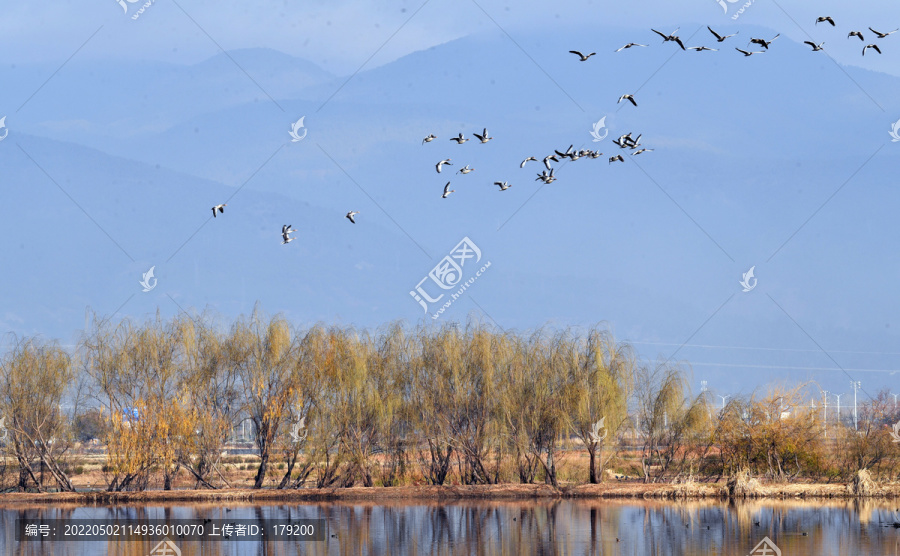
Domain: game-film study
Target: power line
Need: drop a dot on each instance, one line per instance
(786, 367)
(759, 348)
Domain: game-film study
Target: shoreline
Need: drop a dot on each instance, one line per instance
(503, 492)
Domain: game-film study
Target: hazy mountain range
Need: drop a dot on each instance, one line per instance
(112, 167)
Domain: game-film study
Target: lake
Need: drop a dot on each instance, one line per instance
(543, 526)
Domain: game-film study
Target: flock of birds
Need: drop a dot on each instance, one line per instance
(672, 37)
(547, 176)
(287, 229)
(625, 142)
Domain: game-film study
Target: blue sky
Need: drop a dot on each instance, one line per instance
(124, 132)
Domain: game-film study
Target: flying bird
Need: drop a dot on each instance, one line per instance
(872, 46)
(856, 34)
(639, 151)
(672, 37)
(566, 154)
(629, 45)
(526, 160)
(459, 140)
(749, 52)
(545, 177)
(220, 208)
(447, 191)
(583, 57)
(629, 98)
(883, 35)
(547, 160)
(440, 164)
(465, 170)
(720, 38)
(285, 231)
(702, 48)
(615, 158)
(431, 137)
(826, 18)
(815, 47)
(504, 185)
(764, 43)
(484, 137)
(351, 214)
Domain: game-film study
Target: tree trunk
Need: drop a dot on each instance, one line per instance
(261, 472)
(592, 452)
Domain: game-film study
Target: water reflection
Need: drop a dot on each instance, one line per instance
(589, 527)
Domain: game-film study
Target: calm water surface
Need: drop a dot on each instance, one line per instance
(845, 528)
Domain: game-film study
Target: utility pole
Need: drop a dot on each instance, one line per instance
(703, 390)
(838, 396)
(825, 411)
(856, 384)
(895, 401)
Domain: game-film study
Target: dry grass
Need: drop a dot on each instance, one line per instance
(743, 485)
(863, 485)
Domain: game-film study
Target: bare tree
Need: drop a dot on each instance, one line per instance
(34, 377)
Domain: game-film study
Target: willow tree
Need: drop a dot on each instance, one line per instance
(600, 377)
(535, 401)
(870, 444)
(300, 412)
(321, 441)
(209, 381)
(263, 353)
(476, 419)
(433, 373)
(521, 400)
(783, 432)
(34, 377)
(352, 383)
(135, 371)
(668, 418)
(392, 364)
